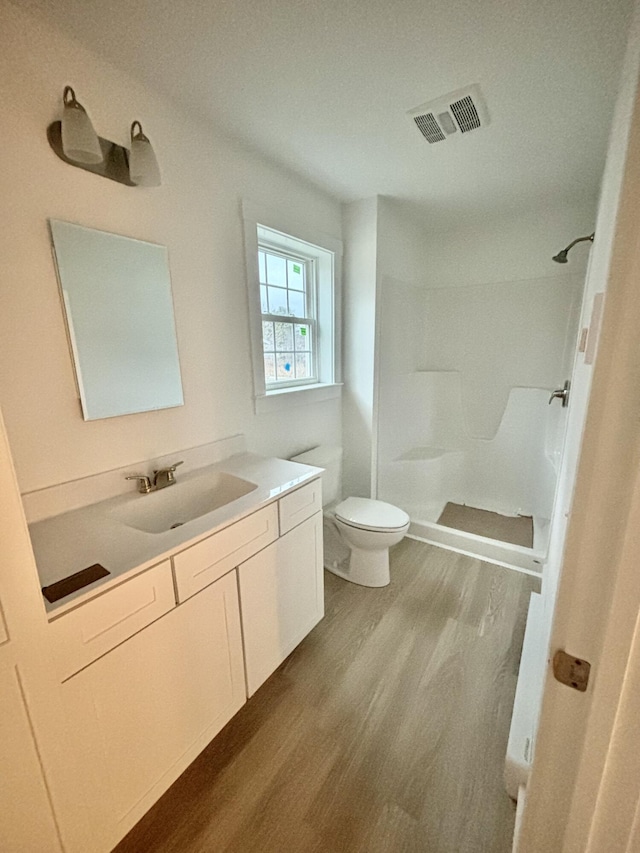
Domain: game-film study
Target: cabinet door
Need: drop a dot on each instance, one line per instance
(145, 710)
(281, 598)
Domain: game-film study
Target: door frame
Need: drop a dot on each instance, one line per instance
(582, 787)
(24, 616)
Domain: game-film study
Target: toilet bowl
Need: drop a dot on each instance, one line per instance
(358, 532)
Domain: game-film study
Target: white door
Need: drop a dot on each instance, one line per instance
(41, 810)
(580, 787)
(26, 816)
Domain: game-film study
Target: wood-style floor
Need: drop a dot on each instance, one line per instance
(384, 732)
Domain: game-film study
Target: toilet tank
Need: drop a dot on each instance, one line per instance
(329, 458)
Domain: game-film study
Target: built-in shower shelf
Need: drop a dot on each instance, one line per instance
(421, 454)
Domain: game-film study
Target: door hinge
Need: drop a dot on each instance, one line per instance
(571, 671)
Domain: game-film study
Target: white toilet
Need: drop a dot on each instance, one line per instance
(358, 532)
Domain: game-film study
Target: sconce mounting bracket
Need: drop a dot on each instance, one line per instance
(115, 163)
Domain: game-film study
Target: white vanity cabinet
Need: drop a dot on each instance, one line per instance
(198, 566)
(152, 668)
(282, 589)
(141, 713)
(84, 634)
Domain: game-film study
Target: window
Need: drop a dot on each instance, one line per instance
(289, 333)
(293, 307)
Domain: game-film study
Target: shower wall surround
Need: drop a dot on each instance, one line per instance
(475, 327)
(464, 384)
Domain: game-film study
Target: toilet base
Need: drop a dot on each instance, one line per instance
(365, 568)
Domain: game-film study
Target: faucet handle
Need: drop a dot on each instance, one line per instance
(164, 476)
(168, 469)
(144, 483)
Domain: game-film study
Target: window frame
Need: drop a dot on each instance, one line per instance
(294, 237)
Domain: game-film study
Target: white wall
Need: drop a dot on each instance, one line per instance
(402, 242)
(508, 249)
(384, 244)
(359, 223)
(196, 213)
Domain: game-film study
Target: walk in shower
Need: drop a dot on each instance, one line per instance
(467, 442)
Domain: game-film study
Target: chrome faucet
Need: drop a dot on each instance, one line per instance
(162, 478)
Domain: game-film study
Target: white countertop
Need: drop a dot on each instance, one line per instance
(66, 544)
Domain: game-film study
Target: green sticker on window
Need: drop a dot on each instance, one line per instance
(303, 331)
(296, 269)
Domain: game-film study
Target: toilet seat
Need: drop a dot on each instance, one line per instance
(368, 514)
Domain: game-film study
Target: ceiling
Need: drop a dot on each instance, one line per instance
(323, 87)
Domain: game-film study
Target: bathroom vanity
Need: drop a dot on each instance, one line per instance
(154, 659)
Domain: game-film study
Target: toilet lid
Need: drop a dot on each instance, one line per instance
(371, 515)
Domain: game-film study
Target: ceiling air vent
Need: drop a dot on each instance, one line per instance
(463, 110)
(429, 127)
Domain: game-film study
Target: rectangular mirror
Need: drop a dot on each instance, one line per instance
(118, 305)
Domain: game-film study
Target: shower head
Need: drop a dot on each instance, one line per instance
(561, 257)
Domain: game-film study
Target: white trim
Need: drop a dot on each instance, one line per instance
(494, 561)
(302, 395)
(274, 220)
(28, 653)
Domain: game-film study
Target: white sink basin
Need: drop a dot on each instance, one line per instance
(185, 501)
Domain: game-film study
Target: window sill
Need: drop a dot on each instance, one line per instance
(306, 395)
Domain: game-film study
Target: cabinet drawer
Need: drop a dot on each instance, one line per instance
(84, 634)
(300, 505)
(207, 561)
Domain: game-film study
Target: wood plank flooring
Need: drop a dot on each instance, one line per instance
(384, 732)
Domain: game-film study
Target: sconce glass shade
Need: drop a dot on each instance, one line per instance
(79, 140)
(143, 166)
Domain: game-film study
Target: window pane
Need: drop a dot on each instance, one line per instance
(277, 300)
(284, 336)
(269, 368)
(262, 267)
(264, 305)
(302, 337)
(267, 336)
(296, 303)
(276, 270)
(303, 365)
(284, 365)
(295, 275)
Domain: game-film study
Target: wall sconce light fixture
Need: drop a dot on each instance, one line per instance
(75, 141)
(79, 140)
(143, 166)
